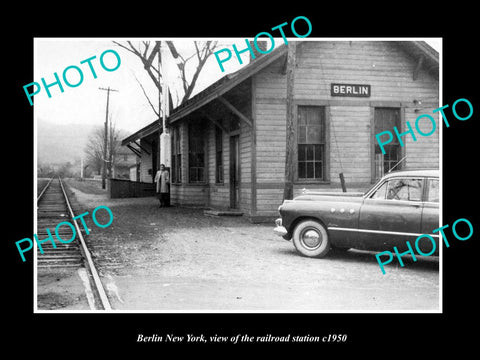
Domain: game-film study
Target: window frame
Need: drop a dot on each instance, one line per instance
(326, 143)
(205, 165)
(401, 149)
(176, 144)
(427, 190)
(374, 190)
(219, 175)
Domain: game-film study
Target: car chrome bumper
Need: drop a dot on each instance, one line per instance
(279, 229)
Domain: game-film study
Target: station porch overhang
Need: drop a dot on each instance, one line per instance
(148, 133)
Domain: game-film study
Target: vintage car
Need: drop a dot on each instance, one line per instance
(400, 207)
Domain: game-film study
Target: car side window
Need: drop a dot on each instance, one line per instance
(380, 192)
(433, 192)
(404, 189)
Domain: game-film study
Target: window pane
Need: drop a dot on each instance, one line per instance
(415, 190)
(310, 140)
(397, 190)
(309, 152)
(309, 170)
(218, 138)
(200, 159)
(196, 152)
(301, 117)
(390, 159)
(220, 174)
(433, 191)
(310, 116)
(313, 117)
(302, 136)
(318, 170)
(179, 168)
(302, 152)
(386, 118)
(317, 152)
(405, 189)
(381, 191)
(313, 135)
(301, 170)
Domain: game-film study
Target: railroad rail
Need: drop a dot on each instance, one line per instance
(53, 207)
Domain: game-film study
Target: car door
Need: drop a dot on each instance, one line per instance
(392, 214)
(430, 215)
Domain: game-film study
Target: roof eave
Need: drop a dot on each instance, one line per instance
(241, 75)
(143, 132)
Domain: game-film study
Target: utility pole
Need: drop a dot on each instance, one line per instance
(105, 138)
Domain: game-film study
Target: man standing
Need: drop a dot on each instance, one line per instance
(162, 180)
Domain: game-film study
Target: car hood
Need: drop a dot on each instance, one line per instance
(330, 196)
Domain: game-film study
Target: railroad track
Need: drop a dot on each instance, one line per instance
(53, 207)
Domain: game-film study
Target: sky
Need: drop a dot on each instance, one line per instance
(129, 109)
(86, 103)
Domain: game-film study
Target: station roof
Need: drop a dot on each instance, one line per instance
(417, 49)
(143, 132)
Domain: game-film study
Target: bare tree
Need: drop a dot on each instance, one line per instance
(203, 50)
(147, 54)
(94, 149)
(95, 145)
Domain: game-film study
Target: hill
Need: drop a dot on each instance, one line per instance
(60, 143)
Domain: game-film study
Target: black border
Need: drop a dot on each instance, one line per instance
(371, 332)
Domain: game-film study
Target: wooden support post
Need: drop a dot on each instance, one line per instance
(135, 151)
(216, 122)
(342, 181)
(290, 128)
(235, 110)
(141, 147)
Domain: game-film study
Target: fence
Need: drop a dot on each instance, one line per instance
(119, 188)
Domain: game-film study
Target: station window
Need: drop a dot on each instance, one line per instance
(311, 143)
(176, 156)
(384, 120)
(196, 153)
(219, 155)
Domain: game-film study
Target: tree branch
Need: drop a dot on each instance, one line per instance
(198, 52)
(202, 59)
(126, 48)
(155, 50)
(202, 52)
(148, 99)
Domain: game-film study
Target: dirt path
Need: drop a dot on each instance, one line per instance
(177, 259)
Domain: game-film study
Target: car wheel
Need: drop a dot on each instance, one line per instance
(311, 239)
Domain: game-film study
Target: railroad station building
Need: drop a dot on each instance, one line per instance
(228, 142)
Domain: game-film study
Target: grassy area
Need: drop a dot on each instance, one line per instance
(87, 186)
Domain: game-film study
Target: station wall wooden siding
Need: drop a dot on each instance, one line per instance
(384, 66)
(211, 194)
(146, 162)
